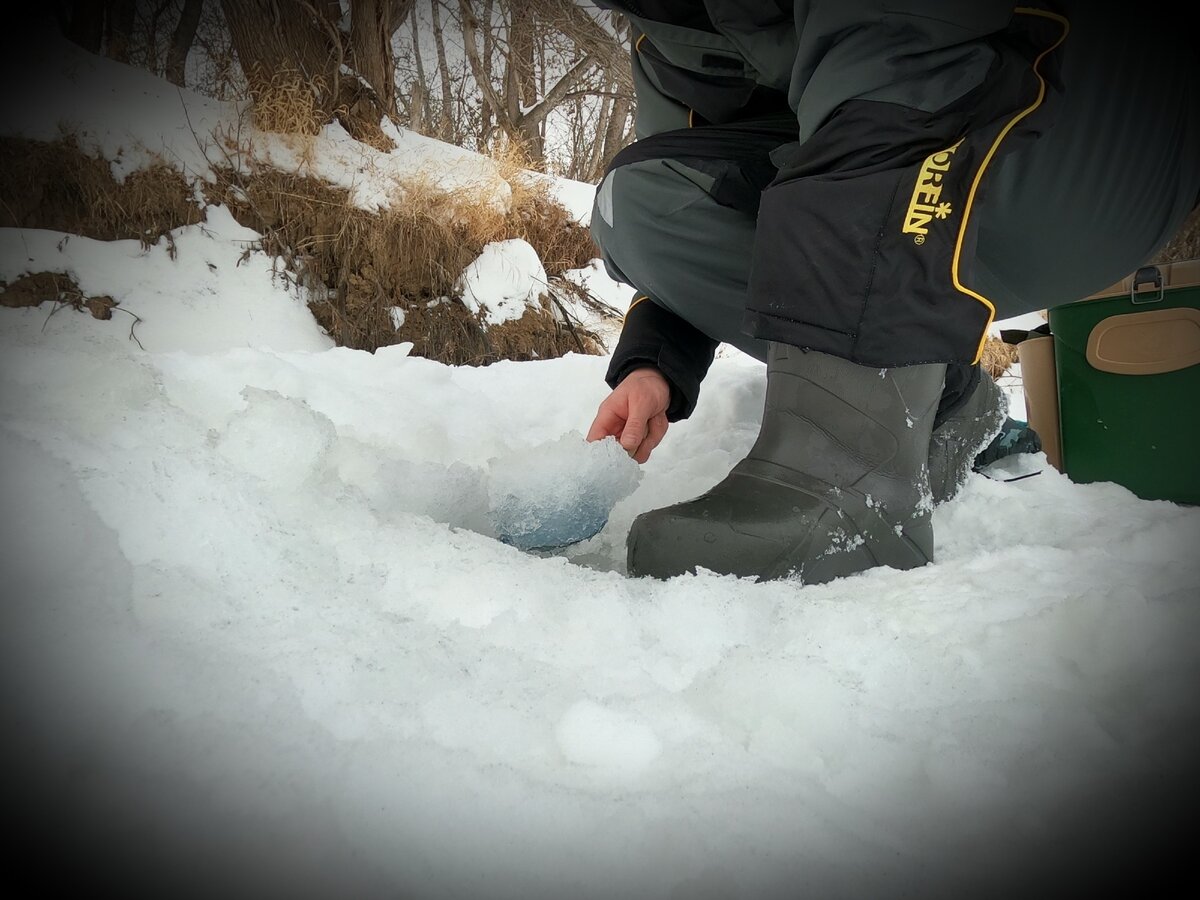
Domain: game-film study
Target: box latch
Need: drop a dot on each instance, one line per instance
(1146, 275)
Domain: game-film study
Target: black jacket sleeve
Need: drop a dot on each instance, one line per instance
(654, 336)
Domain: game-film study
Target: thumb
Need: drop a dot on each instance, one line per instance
(633, 434)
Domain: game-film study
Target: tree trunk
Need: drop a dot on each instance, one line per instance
(150, 36)
(181, 41)
(495, 104)
(372, 24)
(616, 136)
(446, 129)
(522, 87)
(281, 39)
(84, 24)
(486, 117)
(297, 40)
(418, 117)
(119, 28)
(595, 159)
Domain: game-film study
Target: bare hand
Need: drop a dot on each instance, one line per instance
(635, 413)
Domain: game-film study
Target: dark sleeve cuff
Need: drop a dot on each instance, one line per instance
(654, 336)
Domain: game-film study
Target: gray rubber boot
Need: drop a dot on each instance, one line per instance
(966, 432)
(836, 483)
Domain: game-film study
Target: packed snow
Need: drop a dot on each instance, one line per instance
(269, 630)
(504, 281)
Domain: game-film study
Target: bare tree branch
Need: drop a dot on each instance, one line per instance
(558, 92)
(494, 100)
(446, 121)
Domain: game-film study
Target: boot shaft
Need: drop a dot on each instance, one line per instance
(842, 422)
(836, 483)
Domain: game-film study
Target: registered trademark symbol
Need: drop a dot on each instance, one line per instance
(918, 239)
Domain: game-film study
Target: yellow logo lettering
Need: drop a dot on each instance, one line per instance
(926, 203)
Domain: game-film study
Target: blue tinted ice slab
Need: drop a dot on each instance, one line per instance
(559, 493)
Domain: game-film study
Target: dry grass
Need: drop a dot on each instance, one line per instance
(1185, 245)
(288, 103)
(537, 218)
(57, 186)
(57, 288)
(291, 104)
(356, 265)
(997, 356)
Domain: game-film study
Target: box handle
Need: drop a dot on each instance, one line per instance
(1146, 275)
(1146, 343)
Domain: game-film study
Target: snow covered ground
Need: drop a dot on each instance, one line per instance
(260, 637)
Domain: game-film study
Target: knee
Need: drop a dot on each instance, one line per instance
(634, 212)
(619, 190)
(603, 233)
(617, 245)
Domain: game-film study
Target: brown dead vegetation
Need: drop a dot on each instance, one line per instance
(356, 265)
(561, 242)
(1185, 245)
(57, 186)
(53, 287)
(287, 103)
(997, 356)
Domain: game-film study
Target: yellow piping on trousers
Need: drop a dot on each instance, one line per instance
(1041, 95)
(636, 301)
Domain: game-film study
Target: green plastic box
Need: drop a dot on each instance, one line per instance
(1127, 363)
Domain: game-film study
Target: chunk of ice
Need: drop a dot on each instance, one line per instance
(558, 493)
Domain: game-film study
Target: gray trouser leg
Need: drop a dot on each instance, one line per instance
(1109, 183)
(661, 232)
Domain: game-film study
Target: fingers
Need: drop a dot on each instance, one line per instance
(634, 433)
(656, 429)
(646, 423)
(607, 422)
(634, 413)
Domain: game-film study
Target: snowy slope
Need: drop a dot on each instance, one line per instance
(260, 637)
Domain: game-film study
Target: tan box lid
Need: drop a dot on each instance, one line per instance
(1184, 273)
